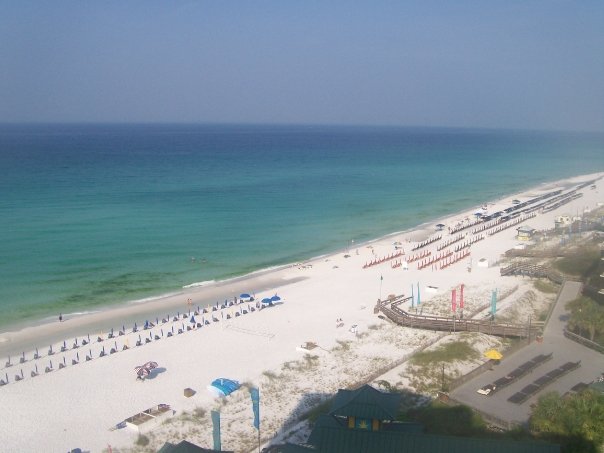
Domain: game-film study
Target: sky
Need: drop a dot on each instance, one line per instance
(519, 64)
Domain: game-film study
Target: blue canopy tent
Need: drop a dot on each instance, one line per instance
(223, 387)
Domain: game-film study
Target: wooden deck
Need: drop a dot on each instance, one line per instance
(392, 311)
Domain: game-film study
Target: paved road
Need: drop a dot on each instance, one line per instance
(564, 350)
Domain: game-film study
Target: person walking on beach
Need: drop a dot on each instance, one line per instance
(60, 317)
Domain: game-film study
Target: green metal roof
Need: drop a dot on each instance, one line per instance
(336, 440)
(185, 447)
(366, 402)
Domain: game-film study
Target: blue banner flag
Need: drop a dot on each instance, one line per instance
(419, 300)
(216, 430)
(255, 394)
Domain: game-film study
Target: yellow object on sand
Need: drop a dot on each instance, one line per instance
(493, 354)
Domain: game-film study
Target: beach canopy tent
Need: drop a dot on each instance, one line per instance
(493, 354)
(223, 387)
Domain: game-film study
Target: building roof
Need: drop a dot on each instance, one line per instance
(366, 402)
(185, 447)
(336, 440)
(525, 229)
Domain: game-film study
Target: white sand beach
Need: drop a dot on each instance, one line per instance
(81, 404)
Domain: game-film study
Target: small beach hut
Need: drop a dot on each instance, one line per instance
(525, 233)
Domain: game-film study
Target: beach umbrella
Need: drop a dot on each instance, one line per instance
(192, 320)
(266, 300)
(244, 296)
(275, 298)
(493, 354)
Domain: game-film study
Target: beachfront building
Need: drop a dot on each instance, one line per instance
(562, 221)
(525, 233)
(364, 420)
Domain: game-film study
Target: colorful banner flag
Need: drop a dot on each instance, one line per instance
(216, 430)
(255, 394)
(412, 297)
(454, 300)
(493, 302)
(418, 297)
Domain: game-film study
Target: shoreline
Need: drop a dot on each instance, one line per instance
(24, 336)
(259, 348)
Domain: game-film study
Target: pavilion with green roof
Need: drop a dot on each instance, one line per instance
(364, 420)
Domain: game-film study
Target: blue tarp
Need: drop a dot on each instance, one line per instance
(223, 386)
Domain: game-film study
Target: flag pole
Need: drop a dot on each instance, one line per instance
(381, 280)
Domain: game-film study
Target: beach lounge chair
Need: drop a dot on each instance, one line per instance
(175, 319)
(99, 339)
(74, 362)
(18, 378)
(63, 348)
(156, 337)
(179, 331)
(33, 373)
(125, 347)
(188, 328)
(48, 369)
(50, 351)
(88, 358)
(84, 342)
(169, 334)
(198, 324)
(61, 366)
(75, 345)
(147, 340)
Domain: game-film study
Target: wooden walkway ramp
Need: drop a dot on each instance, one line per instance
(391, 309)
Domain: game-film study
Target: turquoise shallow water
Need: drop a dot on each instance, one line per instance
(94, 215)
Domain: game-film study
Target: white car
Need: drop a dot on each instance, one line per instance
(486, 390)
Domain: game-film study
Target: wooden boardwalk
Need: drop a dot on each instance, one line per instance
(392, 311)
(533, 270)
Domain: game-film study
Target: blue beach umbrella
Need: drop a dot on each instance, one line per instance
(244, 296)
(267, 300)
(275, 298)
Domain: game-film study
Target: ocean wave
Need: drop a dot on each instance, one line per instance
(152, 298)
(199, 284)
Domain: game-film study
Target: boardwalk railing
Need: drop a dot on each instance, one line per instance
(392, 310)
(532, 270)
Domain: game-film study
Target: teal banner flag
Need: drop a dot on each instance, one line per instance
(216, 430)
(255, 394)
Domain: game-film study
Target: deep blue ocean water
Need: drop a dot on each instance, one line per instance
(94, 215)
